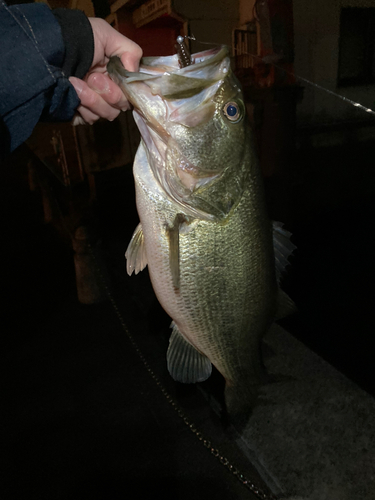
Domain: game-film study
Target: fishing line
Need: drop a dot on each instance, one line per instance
(356, 104)
(345, 99)
(313, 84)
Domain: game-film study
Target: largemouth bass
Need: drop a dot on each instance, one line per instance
(204, 231)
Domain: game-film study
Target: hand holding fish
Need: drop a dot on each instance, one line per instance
(100, 96)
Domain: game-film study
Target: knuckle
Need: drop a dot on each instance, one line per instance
(115, 97)
(138, 51)
(89, 98)
(114, 115)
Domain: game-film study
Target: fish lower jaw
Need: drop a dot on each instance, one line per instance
(188, 180)
(193, 182)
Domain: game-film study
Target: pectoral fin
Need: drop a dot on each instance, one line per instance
(136, 259)
(283, 248)
(174, 248)
(185, 363)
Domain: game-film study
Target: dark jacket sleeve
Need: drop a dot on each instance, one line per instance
(38, 52)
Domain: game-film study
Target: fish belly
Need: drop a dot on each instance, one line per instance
(227, 291)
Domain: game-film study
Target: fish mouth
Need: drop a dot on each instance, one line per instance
(157, 65)
(165, 95)
(164, 77)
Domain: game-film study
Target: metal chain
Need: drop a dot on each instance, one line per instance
(247, 483)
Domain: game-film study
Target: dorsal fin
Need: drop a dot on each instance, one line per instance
(285, 305)
(283, 248)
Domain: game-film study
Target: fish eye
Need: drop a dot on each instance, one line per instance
(232, 111)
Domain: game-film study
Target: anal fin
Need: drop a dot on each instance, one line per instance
(185, 363)
(136, 259)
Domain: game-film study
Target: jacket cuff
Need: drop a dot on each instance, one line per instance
(78, 40)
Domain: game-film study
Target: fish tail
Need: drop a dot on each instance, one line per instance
(240, 401)
(241, 395)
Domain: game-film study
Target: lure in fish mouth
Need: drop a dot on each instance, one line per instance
(192, 121)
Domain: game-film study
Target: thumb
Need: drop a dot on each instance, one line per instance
(130, 59)
(109, 42)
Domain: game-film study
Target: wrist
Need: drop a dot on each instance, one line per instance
(78, 40)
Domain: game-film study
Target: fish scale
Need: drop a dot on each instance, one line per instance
(227, 282)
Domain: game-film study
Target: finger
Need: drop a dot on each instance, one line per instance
(108, 90)
(130, 59)
(89, 117)
(109, 42)
(92, 101)
(129, 51)
(78, 120)
(85, 116)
